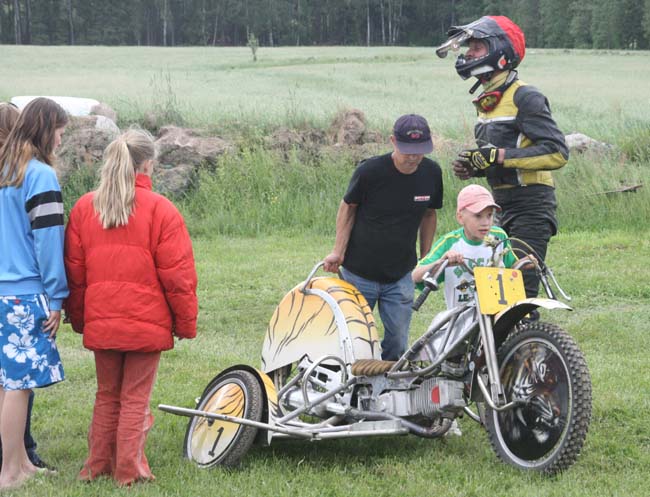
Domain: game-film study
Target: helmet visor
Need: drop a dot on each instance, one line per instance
(453, 43)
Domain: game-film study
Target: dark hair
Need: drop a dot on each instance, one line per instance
(32, 136)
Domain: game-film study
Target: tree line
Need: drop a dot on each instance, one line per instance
(603, 24)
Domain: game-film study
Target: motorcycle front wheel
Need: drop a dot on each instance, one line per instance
(542, 366)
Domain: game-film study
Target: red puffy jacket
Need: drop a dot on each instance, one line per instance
(133, 287)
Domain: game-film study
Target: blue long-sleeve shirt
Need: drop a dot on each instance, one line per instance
(32, 236)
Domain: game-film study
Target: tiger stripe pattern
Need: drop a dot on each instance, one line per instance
(305, 325)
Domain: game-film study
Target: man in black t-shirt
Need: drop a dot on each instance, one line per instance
(389, 200)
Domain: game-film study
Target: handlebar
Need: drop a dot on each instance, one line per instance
(544, 273)
(430, 284)
(311, 275)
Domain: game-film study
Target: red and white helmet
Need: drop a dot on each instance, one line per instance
(505, 40)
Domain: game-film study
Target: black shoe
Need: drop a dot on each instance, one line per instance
(39, 463)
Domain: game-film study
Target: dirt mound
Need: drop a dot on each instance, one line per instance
(348, 128)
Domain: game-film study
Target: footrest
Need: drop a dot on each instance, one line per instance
(371, 367)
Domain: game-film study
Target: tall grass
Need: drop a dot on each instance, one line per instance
(258, 191)
(261, 192)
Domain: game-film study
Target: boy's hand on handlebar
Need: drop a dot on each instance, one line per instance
(528, 262)
(454, 258)
(332, 262)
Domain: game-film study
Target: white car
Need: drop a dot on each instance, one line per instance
(75, 106)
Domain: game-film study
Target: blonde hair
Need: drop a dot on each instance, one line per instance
(9, 114)
(115, 197)
(32, 136)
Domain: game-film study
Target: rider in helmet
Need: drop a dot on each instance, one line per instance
(518, 141)
(503, 40)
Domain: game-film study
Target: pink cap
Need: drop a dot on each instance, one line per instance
(475, 198)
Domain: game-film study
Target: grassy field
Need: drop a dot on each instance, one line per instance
(597, 93)
(241, 281)
(264, 219)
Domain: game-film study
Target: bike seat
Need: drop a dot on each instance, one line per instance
(371, 367)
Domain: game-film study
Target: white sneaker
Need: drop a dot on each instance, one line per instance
(454, 430)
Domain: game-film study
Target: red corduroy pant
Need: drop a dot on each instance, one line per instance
(121, 417)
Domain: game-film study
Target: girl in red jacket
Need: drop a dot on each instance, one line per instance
(132, 282)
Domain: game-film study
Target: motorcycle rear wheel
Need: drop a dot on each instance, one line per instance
(542, 365)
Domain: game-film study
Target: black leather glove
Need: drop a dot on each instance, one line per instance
(479, 158)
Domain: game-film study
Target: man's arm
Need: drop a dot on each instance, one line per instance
(344, 222)
(427, 231)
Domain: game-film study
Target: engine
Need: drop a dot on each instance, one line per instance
(432, 398)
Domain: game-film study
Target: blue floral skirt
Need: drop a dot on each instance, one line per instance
(28, 356)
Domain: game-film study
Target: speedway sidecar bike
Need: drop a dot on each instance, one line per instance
(322, 376)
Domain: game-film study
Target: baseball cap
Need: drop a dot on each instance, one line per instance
(412, 135)
(475, 198)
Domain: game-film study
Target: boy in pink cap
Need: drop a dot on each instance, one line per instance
(475, 213)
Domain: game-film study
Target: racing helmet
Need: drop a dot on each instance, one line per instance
(505, 41)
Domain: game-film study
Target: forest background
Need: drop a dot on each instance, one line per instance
(602, 24)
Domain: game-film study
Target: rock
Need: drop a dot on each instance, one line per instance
(577, 142)
(102, 109)
(287, 139)
(174, 180)
(153, 121)
(83, 143)
(187, 146)
(348, 128)
(375, 137)
(181, 152)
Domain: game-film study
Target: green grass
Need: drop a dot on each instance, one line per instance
(597, 93)
(240, 282)
(262, 219)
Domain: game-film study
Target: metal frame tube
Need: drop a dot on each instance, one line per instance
(489, 348)
(489, 402)
(307, 407)
(182, 411)
(351, 434)
(310, 370)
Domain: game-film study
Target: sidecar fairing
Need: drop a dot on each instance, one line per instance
(325, 317)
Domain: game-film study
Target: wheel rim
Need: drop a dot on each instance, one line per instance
(212, 438)
(535, 372)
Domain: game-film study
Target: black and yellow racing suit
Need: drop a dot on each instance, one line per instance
(523, 185)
